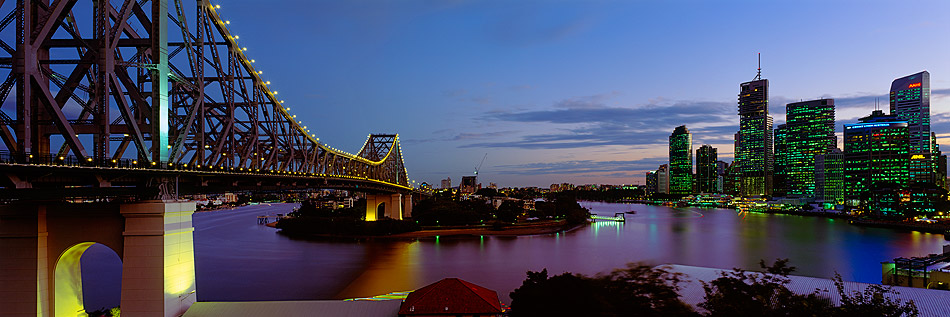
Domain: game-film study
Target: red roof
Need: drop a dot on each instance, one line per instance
(451, 296)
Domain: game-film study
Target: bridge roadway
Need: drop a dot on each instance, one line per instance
(68, 178)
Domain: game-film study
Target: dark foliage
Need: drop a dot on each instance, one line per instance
(637, 290)
(105, 312)
(344, 226)
(565, 206)
(311, 209)
(873, 302)
(447, 212)
(509, 211)
(488, 192)
(739, 293)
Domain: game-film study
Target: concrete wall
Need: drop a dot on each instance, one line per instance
(42, 245)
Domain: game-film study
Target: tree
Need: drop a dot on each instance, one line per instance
(488, 192)
(873, 302)
(638, 290)
(739, 293)
(509, 211)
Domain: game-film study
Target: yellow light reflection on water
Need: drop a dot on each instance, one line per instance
(390, 268)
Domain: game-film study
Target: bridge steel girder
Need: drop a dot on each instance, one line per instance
(162, 84)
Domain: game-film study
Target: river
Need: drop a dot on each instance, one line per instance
(238, 260)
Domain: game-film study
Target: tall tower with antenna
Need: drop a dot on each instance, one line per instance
(753, 155)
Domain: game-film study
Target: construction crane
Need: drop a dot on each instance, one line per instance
(480, 164)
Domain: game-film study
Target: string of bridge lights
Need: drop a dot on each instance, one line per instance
(285, 111)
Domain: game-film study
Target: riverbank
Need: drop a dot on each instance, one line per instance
(511, 230)
(935, 227)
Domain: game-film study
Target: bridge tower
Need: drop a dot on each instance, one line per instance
(42, 245)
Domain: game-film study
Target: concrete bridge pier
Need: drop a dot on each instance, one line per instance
(43, 243)
(393, 206)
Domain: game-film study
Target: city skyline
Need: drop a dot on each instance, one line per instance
(564, 92)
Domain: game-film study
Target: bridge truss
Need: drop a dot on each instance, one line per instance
(160, 85)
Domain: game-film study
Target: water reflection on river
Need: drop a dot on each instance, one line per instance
(237, 259)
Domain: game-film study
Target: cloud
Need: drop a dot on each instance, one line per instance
(586, 102)
(596, 125)
(581, 167)
(464, 136)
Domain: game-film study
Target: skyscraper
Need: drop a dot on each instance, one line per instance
(753, 153)
(681, 161)
(663, 179)
(810, 131)
(722, 171)
(910, 102)
(780, 172)
(706, 176)
(875, 156)
(829, 178)
(652, 183)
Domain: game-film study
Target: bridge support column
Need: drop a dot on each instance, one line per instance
(395, 211)
(392, 205)
(158, 269)
(407, 206)
(24, 263)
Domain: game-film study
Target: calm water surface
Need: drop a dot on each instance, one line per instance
(236, 259)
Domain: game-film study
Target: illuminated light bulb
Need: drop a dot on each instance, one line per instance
(275, 92)
(217, 6)
(227, 22)
(244, 48)
(266, 82)
(236, 37)
(252, 61)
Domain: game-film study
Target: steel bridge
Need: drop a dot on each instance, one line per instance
(153, 92)
(122, 105)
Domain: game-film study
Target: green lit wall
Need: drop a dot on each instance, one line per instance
(876, 155)
(829, 177)
(810, 131)
(779, 187)
(754, 141)
(910, 102)
(681, 161)
(706, 176)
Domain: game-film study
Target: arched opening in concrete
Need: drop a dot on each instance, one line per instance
(380, 211)
(68, 299)
(102, 285)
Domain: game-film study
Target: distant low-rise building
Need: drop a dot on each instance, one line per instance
(469, 185)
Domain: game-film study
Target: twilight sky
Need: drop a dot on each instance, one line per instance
(576, 91)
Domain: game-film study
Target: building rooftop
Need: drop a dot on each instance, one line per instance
(451, 296)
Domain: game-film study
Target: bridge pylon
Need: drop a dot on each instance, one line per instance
(42, 245)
